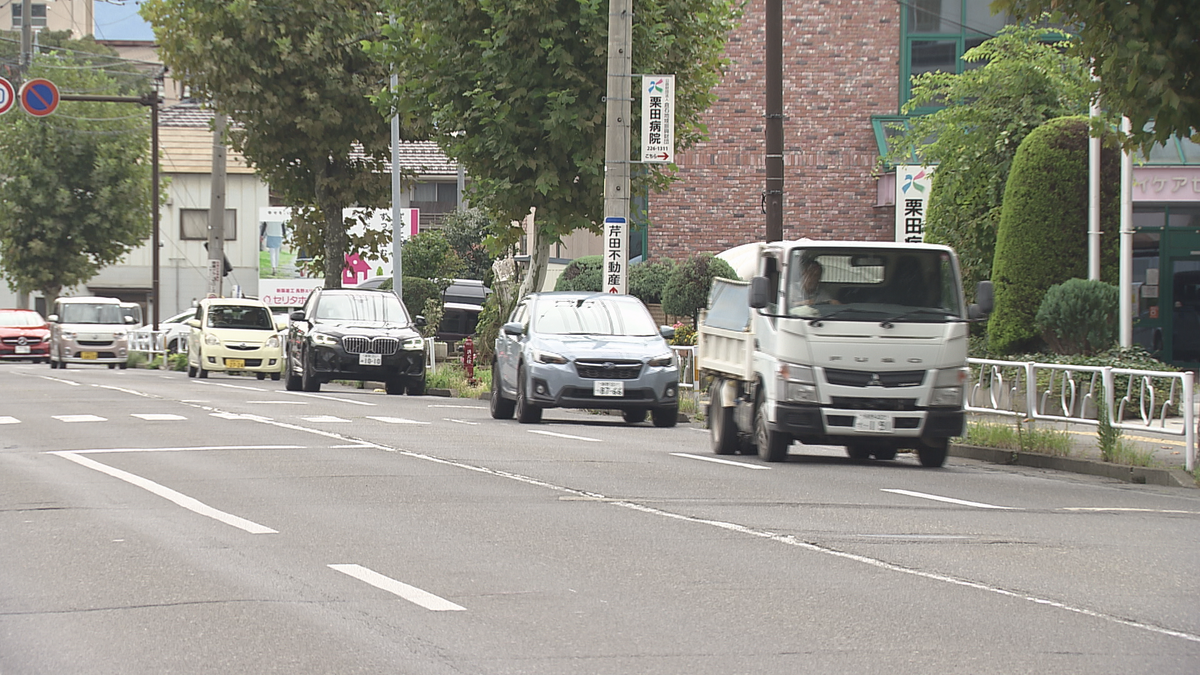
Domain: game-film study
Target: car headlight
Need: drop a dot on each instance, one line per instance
(413, 344)
(323, 339)
(211, 339)
(662, 360)
(273, 341)
(68, 335)
(548, 357)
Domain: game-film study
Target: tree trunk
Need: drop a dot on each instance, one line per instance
(539, 256)
(335, 227)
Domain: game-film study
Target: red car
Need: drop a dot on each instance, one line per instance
(24, 334)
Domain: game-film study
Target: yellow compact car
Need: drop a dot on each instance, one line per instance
(234, 334)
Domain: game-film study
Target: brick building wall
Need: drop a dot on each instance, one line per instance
(841, 66)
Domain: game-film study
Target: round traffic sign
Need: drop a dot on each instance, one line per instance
(8, 95)
(38, 97)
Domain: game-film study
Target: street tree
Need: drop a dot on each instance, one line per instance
(1023, 80)
(75, 191)
(1146, 54)
(293, 79)
(514, 91)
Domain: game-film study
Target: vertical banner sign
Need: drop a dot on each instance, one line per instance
(658, 118)
(616, 266)
(8, 95)
(912, 200)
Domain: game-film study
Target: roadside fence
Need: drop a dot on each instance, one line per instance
(688, 372)
(1135, 400)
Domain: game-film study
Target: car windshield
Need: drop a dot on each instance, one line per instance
(86, 312)
(21, 320)
(598, 315)
(369, 307)
(240, 316)
(908, 285)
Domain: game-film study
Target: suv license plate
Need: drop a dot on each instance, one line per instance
(873, 423)
(608, 388)
(370, 359)
(235, 363)
(89, 355)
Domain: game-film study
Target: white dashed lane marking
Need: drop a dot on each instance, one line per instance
(394, 420)
(79, 418)
(158, 417)
(410, 593)
(9, 420)
(324, 418)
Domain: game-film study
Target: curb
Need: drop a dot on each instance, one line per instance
(1130, 474)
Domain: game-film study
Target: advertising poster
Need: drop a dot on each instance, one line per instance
(912, 200)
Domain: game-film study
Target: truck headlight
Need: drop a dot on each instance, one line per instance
(548, 357)
(797, 383)
(801, 393)
(951, 377)
(946, 396)
(324, 340)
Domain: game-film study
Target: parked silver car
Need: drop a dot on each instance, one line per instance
(584, 350)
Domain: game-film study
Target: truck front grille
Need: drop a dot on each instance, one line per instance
(870, 378)
(864, 403)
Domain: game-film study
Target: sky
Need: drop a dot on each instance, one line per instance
(121, 21)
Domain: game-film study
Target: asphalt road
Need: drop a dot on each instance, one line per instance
(154, 524)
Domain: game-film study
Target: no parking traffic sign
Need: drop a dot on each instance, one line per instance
(7, 95)
(38, 97)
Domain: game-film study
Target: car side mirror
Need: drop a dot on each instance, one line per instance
(297, 315)
(419, 321)
(130, 320)
(986, 297)
(53, 318)
(667, 332)
(514, 328)
(760, 287)
(194, 323)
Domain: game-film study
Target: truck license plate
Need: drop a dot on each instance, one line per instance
(370, 359)
(873, 423)
(235, 364)
(89, 355)
(608, 388)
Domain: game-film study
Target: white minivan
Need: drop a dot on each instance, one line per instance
(89, 330)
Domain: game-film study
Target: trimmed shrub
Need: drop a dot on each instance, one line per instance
(1079, 316)
(648, 279)
(1042, 237)
(687, 289)
(416, 293)
(584, 273)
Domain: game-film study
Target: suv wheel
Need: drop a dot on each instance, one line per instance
(634, 415)
(308, 379)
(500, 407)
(665, 417)
(416, 386)
(527, 413)
(394, 386)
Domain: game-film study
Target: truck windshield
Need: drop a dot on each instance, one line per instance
(897, 285)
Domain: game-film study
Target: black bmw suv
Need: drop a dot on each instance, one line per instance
(351, 334)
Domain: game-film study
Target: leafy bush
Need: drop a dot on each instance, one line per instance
(417, 292)
(585, 273)
(1042, 237)
(685, 335)
(1079, 316)
(687, 289)
(648, 279)
(465, 231)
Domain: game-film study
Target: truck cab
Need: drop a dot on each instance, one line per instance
(860, 344)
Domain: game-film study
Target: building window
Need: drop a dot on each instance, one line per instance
(938, 32)
(37, 12)
(443, 193)
(193, 224)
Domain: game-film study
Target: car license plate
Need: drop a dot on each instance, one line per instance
(89, 355)
(370, 359)
(235, 363)
(873, 423)
(22, 349)
(608, 388)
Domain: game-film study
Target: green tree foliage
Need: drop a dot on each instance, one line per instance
(1146, 54)
(1079, 316)
(1042, 240)
(417, 293)
(584, 273)
(294, 81)
(429, 256)
(465, 230)
(1020, 83)
(687, 289)
(75, 192)
(647, 280)
(514, 91)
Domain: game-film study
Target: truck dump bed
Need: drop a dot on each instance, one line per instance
(724, 341)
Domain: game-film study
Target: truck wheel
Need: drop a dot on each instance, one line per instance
(634, 415)
(932, 452)
(720, 423)
(527, 413)
(772, 445)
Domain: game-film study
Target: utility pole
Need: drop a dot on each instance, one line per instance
(216, 209)
(618, 103)
(26, 36)
(773, 193)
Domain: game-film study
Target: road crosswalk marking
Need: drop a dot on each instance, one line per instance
(394, 420)
(158, 417)
(9, 420)
(324, 418)
(79, 418)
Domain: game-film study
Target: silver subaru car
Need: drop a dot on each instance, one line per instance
(584, 350)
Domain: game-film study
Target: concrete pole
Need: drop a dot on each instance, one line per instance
(1126, 264)
(618, 106)
(1094, 200)
(216, 209)
(26, 36)
(397, 222)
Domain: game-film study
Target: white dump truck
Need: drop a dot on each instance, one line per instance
(860, 344)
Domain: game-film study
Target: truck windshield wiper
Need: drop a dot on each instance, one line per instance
(889, 322)
(817, 320)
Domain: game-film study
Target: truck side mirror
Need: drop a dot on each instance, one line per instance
(986, 298)
(760, 288)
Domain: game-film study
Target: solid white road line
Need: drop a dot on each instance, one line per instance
(950, 500)
(231, 386)
(328, 398)
(123, 390)
(79, 418)
(158, 417)
(9, 420)
(467, 407)
(449, 419)
(96, 451)
(395, 420)
(183, 500)
(721, 461)
(411, 593)
(59, 379)
(567, 436)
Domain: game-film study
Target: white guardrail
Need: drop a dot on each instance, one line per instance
(685, 356)
(1063, 393)
(146, 340)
